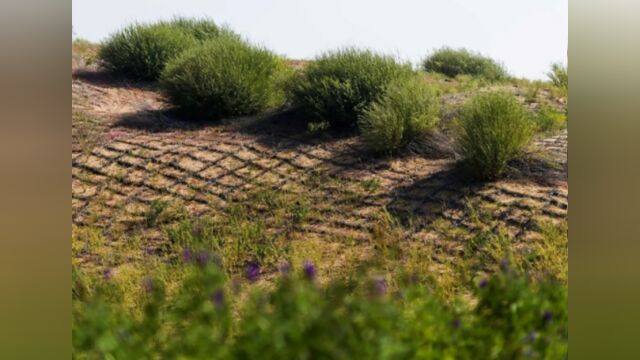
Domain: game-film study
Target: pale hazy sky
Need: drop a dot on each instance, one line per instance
(526, 35)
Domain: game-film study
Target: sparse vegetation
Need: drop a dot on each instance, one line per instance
(454, 62)
(339, 85)
(493, 129)
(225, 77)
(141, 51)
(408, 109)
(559, 75)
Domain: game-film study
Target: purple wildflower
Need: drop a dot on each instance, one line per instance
(202, 258)
(547, 316)
(107, 274)
(309, 270)
(484, 283)
(456, 323)
(252, 271)
(148, 285)
(218, 298)
(187, 256)
(380, 286)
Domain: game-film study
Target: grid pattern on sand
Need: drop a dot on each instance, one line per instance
(118, 180)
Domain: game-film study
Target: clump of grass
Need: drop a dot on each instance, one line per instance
(225, 77)
(141, 51)
(407, 110)
(559, 75)
(493, 129)
(161, 212)
(454, 62)
(338, 86)
(548, 119)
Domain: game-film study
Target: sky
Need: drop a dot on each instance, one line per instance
(525, 35)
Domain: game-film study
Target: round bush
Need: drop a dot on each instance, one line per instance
(407, 110)
(452, 62)
(494, 128)
(224, 77)
(339, 85)
(141, 51)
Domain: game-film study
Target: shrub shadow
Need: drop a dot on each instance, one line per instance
(286, 128)
(425, 199)
(159, 121)
(289, 129)
(538, 168)
(101, 77)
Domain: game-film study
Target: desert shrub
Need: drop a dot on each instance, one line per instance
(548, 119)
(224, 77)
(408, 109)
(339, 85)
(141, 51)
(454, 62)
(300, 319)
(493, 129)
(201, 29)
(559, 75)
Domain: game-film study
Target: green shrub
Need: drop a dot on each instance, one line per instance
(454, 62)
(494, 127)
(559, 75)
(548, 119)
(141, 51)
(201, 29)
(406, 110)
(299, 319)
(339, 85)
(225, 77)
